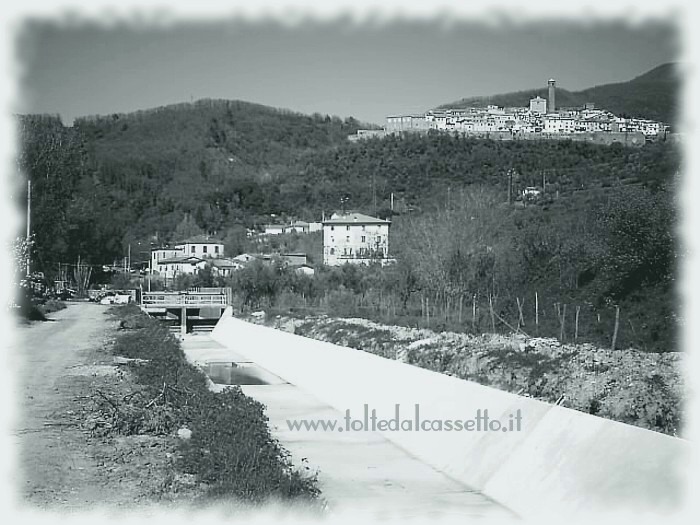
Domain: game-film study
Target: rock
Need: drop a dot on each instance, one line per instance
(184, 433)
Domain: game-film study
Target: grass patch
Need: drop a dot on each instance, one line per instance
(231, 449)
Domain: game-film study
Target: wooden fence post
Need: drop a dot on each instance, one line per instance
(537, 314)
(474, 313)
(578, 310)
(563, 323)
(617, 325)
(493, 321)
(461, 301)
(521, 319)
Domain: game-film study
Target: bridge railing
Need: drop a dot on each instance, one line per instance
(174, 299)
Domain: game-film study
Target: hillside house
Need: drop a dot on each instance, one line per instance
(355, 238)
(172, 267)
(158, 254)
(274, 229)
(225, 267)
(201, 246)
(292, 227)
(305, 269)
(244, 257)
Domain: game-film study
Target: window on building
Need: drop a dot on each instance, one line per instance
(363, 238)
(204, 249)
(347, 227)
(216, 249)
(332, 251)
(332, 228)
(363, 227)
(347, 239)
(332, 239)
(192, 249)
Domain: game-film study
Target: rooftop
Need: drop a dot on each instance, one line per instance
(201, 239)
(354, 218)
(182, 259)
(222, 262)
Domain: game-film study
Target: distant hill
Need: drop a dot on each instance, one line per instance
(653, 95)
(122, 178)
(219, 160)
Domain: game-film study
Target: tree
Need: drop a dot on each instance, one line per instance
(187, 228)
(637, 229)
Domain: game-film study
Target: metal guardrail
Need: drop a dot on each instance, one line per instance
(183, 299)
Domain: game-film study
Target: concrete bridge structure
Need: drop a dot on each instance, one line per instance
(206, 303)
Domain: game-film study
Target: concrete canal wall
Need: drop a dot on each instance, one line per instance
(560, 461)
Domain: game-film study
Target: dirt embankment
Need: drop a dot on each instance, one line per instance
(638, 388)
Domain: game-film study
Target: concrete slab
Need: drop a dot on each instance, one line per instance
(358, 471)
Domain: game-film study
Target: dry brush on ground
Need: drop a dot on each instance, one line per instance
(639, 388)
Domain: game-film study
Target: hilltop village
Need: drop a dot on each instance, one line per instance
(541, 119)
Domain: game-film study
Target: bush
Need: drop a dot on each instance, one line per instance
(52, 305)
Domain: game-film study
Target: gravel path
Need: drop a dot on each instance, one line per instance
(60, 361)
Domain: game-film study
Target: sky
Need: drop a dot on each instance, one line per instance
(340, 68)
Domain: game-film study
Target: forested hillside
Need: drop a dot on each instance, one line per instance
(219, 161)
(652, 95)
(110, 181)
(113, 180)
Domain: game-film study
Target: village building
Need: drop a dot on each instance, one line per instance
(186, 257)
(225, 267)
(355, 238)
(159, 254)
(538, 105)
(184, 264)
(201, 246)
(305, 269)
(244, 257)
(274, 229)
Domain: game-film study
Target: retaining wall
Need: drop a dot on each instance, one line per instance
(562, 460)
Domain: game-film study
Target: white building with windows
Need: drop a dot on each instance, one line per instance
(159, 254)
(559, 124)
(201, 246)
(355, 238)
(182, 264)
(189, 256)
(538, 105)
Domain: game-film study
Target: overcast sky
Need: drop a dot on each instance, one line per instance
(365, 72)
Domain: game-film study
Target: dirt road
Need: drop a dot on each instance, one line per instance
(60, 463)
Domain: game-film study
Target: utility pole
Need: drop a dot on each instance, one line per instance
(29, 222)
(510, 186)
(392, 201)
(129, 257)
